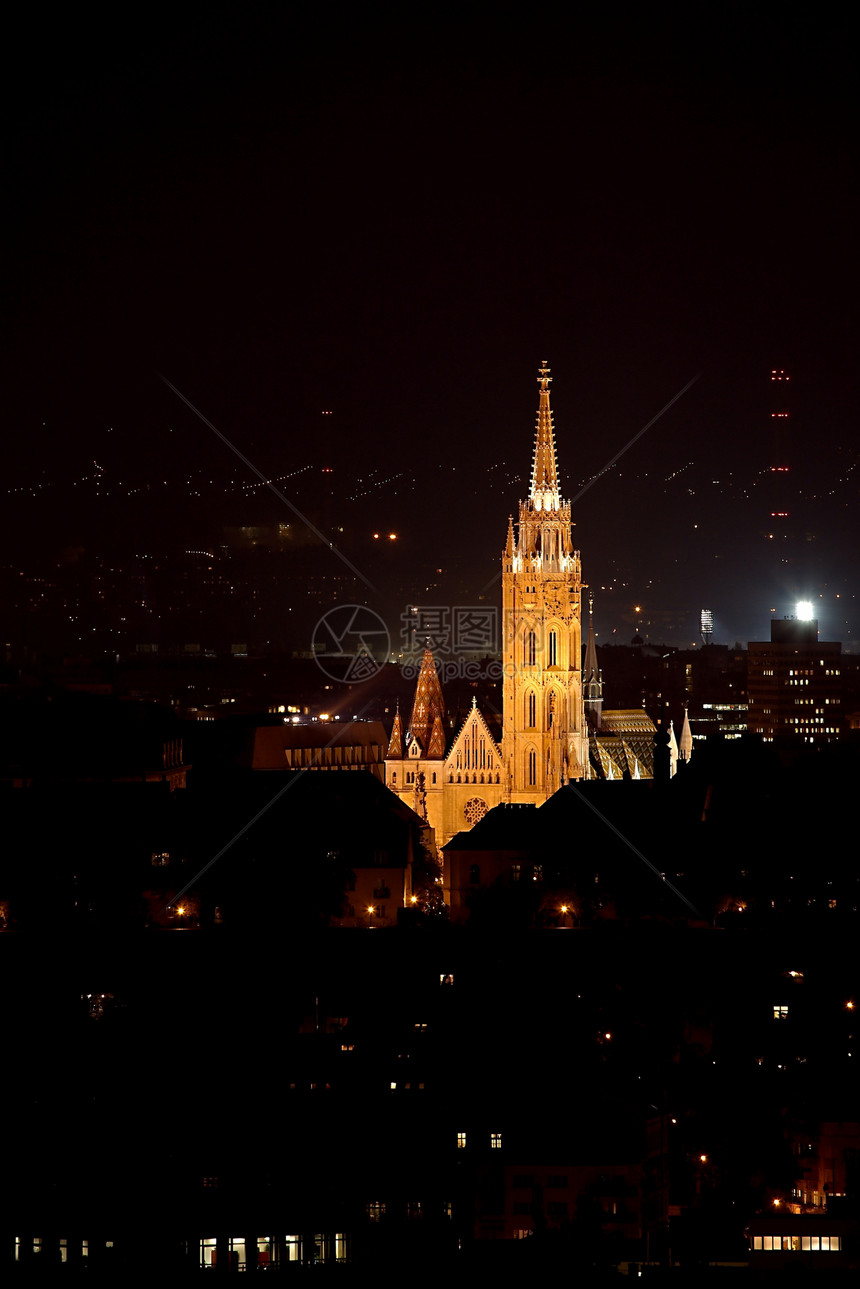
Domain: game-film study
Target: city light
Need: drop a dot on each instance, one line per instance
(804, 610)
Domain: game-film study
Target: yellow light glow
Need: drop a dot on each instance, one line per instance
(703, 1159)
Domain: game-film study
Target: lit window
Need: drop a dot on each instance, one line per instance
(461, 1141)
(376, 1210)
(780, 1011)
(495, 1141)
(292, 1248)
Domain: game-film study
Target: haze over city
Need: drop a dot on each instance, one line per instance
(349, 244)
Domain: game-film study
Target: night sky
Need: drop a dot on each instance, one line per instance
(392, 219)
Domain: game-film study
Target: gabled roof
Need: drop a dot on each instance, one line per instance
(475, 728)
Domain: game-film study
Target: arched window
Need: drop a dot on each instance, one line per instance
(531, 649)
(532, 764)
(531, 709)
(552, 650)
(550, 709)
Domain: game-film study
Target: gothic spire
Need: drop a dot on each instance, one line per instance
(428, 704)
(592, 681)
(544, 491)
(685, 743)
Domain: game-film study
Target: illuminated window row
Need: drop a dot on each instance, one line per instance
(797, 1243)
(238, 1253)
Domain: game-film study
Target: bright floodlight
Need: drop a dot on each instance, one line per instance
(804, 611)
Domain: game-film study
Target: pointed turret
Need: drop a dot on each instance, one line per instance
(436, 746)
(509, 544)
(673, 751)
(685, 743)
(428, 705)
(395, 743)
(544, 486)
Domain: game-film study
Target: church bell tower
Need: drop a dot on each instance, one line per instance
(545, 738)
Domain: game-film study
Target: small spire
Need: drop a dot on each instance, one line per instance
(685, 742)
(592, 682)
(509, 544)
(436, 746)
(395, 743)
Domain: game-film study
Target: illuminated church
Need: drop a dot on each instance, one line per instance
(553, 728)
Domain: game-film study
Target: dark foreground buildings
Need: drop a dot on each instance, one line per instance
(631, 1041)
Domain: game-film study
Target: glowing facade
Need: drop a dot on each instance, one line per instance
(545, 740)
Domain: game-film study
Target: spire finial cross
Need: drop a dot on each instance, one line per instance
(544, 379)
